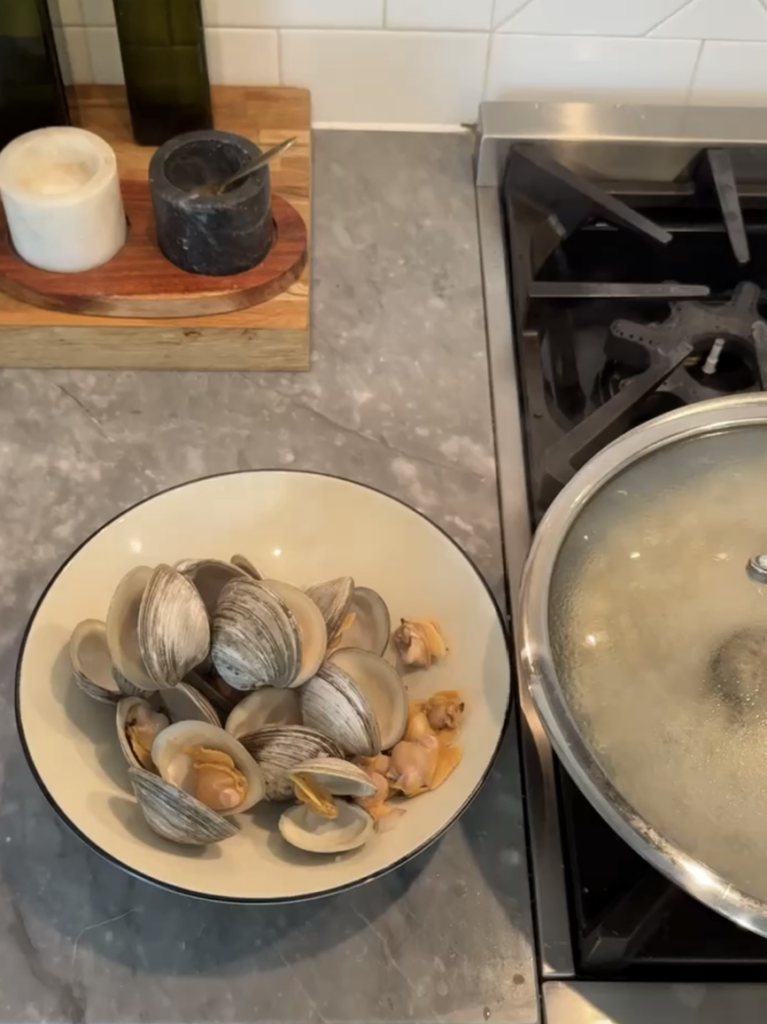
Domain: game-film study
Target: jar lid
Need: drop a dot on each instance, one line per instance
(657, 634)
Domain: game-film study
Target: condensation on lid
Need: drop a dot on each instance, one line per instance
(659, 639)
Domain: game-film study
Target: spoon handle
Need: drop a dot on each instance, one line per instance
(246, 172)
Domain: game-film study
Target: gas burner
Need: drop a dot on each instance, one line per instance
(700, 351)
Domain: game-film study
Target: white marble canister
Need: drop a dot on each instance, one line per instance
(62, 200)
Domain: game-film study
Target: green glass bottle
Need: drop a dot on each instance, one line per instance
(166, 73)
(31, 89)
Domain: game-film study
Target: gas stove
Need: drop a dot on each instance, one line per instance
(625, 269)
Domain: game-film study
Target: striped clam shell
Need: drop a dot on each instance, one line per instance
(255, 637)
(279, 748)
(332, 704)
(176, 815)
(334, 599)
(173, 627)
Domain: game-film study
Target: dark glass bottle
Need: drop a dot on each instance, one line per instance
(166, 74)
(31, 90)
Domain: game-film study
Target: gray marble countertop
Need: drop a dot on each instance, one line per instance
(397, 397)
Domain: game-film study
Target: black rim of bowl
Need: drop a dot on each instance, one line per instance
(251, 900)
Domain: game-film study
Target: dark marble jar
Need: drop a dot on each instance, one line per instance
(213, 235)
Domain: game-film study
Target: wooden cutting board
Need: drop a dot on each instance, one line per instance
(273, 335)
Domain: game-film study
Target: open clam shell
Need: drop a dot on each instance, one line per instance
(209, 576)
(171, 752)
(338, 777)
(183, 703)
(255, 637)
(122, 628)
(383, 687)
(177, 816)
(264, 707)
(333, 705)
(350, 829)
(173, 627)
(246, 566)
(138, 725)
(371, 627)
(334, 599)
(91, 662)
(278, 749)
(311, 627)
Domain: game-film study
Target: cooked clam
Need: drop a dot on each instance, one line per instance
(210, 576)
(138, 726)
(279, 749)
(264, 707)
(173, 627)
(370, 625)
(91, 663)
(334, 599)
(332, 776)
(350, 828)
(311, 627)
(177, 816)
(419, 642)
(383, 687)
(255, 637)
(332, 704)
(206, 762)
(184, 703)
(122, 628)
(246, 566)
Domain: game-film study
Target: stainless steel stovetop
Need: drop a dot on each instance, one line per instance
(571, 198)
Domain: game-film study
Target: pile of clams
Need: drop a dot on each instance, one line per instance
(230, 689)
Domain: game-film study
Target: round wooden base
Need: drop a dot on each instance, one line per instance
(141, 282)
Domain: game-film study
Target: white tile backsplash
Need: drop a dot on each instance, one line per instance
(297, 13)
(74, 55)
(731, 74)
(98, 12)
(591, 17)
(717, 19)
(65, 12)
(589, 69)
(439, 14)
(104, 50)
(238, 56)
(387, 77)
(427, 62)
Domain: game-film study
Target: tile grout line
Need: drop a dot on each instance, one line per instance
(516, 14)
(693, 76)
(654, 28)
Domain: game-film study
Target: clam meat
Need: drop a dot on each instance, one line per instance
(419, 642)
(207, 763)
(138, 726)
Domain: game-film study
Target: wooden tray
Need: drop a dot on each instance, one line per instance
(141, 282)
(273, 335)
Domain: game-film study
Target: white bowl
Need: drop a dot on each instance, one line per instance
(298, 527)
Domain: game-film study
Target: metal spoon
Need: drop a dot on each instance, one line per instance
(216, 188)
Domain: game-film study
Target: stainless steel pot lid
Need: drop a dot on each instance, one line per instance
(644, 639)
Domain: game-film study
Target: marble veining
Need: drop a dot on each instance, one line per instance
(397, 397)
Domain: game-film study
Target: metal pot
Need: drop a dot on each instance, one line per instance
(643, 639)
